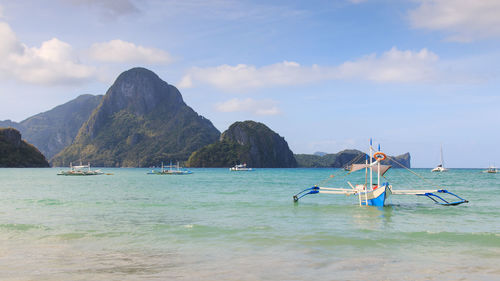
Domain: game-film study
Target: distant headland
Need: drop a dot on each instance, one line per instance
(15, 152)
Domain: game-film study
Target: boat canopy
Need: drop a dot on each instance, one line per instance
(383, 168)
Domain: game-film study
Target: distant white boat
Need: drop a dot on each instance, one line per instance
(170, 170)
(491, 170)
(80, 170)
(440, 167)
(241, 167)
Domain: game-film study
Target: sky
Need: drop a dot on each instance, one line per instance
(413, 75)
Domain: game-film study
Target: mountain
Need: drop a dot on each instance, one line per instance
(403, 160)
(14, 152)
(345, 157)
(247, 142)
(10, 123)
(141, 121)
(53, 130)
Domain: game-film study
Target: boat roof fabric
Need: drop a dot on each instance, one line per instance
(383, 168)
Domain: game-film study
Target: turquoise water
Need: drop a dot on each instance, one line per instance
(222, 225)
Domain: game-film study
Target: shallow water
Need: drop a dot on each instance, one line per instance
(222, 225)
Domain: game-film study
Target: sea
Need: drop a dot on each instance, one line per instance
(216, 224)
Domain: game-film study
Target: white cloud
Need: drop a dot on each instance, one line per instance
(9, 43)
(54, 62)
(258, 107)
(392, 66)
(464, 20)
(186, 82)
(244, 76)
(122, 51)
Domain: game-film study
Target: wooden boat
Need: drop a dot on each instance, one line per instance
(170, 170)
(491, 170)
(80, 170)
(240, 167)
(375, 193)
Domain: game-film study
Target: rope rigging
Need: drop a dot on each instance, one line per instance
(343, 170)
(422, 178)
(377, 194)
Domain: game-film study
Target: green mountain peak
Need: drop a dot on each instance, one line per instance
(141, 121)
(247, 142)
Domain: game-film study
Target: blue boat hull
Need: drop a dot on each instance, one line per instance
(379, 199)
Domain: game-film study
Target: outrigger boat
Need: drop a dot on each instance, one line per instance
(80, 170)
(240, 167)
(375, 193)
(491, 170)
(170, 170)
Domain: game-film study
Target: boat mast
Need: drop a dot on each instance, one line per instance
(371, 174)
(366, 170)
(378, 168)
(371, 169)
(442, 164)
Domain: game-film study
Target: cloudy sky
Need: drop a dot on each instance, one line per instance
(326, 75)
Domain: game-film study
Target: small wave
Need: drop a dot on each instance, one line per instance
(110, 234)
(50, 202)
(479, 238)
(20, 227)
(70, 236)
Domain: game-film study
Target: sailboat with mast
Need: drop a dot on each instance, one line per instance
(374, 192)
(440, 167)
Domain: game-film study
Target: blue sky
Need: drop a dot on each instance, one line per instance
(326, 75)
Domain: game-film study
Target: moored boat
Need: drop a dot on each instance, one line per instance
(491, 170)
(375, 193)
(170, 170)
(440, 167)
(80, 170)
(240, 167)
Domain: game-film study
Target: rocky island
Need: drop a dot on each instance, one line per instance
(16, 153)
(345, 157)
(247, 142)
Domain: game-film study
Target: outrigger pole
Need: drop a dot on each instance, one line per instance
(429, 194)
